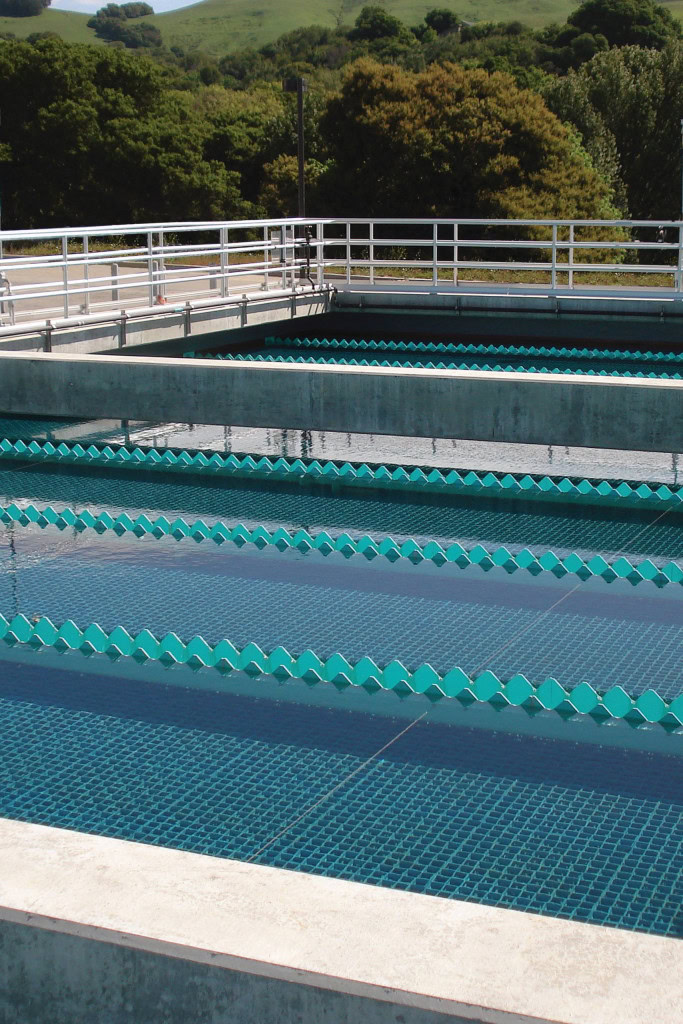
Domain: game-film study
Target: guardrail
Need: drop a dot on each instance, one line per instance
(97, 271)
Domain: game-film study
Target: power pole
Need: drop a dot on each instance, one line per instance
(299, 86)
(1, 200)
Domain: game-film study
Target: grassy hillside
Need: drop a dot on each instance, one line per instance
(223, 25)
(219, 26)
(70, 26)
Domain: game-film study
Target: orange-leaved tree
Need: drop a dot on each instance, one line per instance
(452, 142)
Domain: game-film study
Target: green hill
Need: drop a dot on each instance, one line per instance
(70, 26)
(224, 25)
(219, 26)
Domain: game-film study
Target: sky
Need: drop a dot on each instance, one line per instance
(90, 6)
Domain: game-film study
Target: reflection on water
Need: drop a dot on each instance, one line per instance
(557, 460)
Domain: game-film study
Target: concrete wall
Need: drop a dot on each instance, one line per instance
(518, 326)
(47, 977)
(595, 301)
(581, 331)
(651, 317)
(170, 325)
(96, 930)
(539, 408)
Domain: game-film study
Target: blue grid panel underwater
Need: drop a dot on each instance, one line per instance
(514, 523)
(530, 364)
(573, 830)
(604, 633)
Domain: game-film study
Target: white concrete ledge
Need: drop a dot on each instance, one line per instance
(527, 408)
(483, 963)
(385, 296)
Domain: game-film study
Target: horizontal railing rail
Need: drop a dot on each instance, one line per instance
(107, 270)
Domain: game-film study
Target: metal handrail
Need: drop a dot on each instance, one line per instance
(156, 262)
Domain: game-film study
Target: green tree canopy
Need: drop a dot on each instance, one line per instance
(454, 143)
(376, 23)
(385, 38)
(442, 20)
(627, 104)
(22, 8)
(92, 135)
(112, 23)
(137, 10)
(627, 22)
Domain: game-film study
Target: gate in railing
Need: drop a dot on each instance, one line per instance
(88, 274)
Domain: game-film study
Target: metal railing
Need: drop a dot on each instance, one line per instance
(58, 277)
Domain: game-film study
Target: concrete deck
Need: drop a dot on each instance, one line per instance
(419, 953)
(539, 408)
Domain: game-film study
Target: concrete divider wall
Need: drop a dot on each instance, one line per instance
(151, 935)
(529, 408)
(49, 977)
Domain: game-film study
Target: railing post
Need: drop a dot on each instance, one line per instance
(161, 263)
(455, 253)
(553, 270)
(348, 252)
(570, 257)
(435, 254)
(150, 268)
(123, 328)
(156, 288)
(65, 273)
(371, 236)
(86, 276)
(283, 255)
(266, 259)
(114, 282)
(5, 297)
(224, 261)
(320, 253)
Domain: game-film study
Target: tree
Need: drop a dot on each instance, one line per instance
(112, 23)
(22, 8)
(376, 23)
(627, 104)
(442, 21)
(125, 11)
(136, 10)
(92, 135)
(627, 22)
(450, 142)
(35, 37)
(279, 191)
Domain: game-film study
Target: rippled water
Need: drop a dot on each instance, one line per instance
(664, 467)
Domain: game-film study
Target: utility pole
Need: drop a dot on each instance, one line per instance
(1, 202)
(299, 86)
